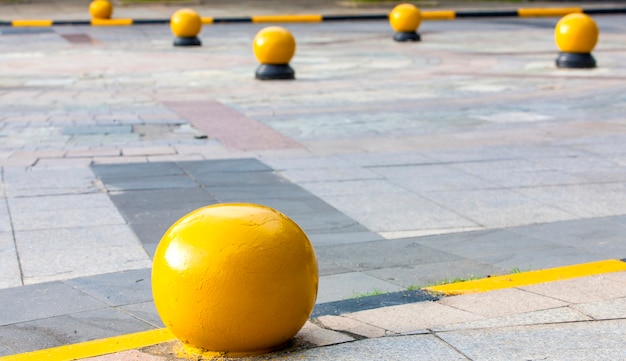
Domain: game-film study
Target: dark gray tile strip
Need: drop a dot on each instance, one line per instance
(371, 302)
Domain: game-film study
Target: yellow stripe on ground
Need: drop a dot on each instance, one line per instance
(207, 20)
(111, 22)
(32, 22)
(530, 278)
(96, 348)
(313, 18)
(439, 15)
(528, 12)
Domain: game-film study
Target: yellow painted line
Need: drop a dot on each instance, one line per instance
(530, 278)
(111, 22)
(313, 18)
(439, 15)
(96, 347)
(528, 12)
(32, 22)
(207, 20)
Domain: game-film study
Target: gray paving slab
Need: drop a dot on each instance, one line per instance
(581, 290)
(5, 222)
(43, 300)
(383, 254)
(422, 275)
(384, 212)
(351, 285)
(137, 170)
(571, 341)
(117, 289)
(144, 311)
(69, 329)
(503, 302)
(609, 309)
(21, 182)
(10, 274)
(393, 348)
(549, 316)
(62, 253)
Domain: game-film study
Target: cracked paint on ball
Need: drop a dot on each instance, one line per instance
(239, 279)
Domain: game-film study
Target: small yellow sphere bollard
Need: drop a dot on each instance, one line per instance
(576, 35)
(234, 279)
(101, 9)
(274, 47)
(186, 24)
(405, 19)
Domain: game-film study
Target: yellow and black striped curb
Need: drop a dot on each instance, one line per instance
(152, 337)
(316, 18)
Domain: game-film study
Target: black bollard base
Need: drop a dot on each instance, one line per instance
(275, 72)
(187, 41)
(406, 36)
(575, 60)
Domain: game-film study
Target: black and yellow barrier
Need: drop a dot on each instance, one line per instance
(316, 18)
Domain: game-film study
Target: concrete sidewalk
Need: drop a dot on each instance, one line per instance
(463, 156)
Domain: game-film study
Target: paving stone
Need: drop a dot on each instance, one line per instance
(571, 341)
(41, 301)
(129, 202)
(4, 351)
(553, 315)
(69, 329)
(144, 311)
(369, 302)
(502, 302)
(488, 246)
(134, 355)
(60, 202)
(420, 347)
(132, 171)
(602, 235)
(432, 177)
(581, 290)
(340, 323)
(10, 274)
(147, 183)
(62, 253)
(383, 254)
(32, 219)
(333, 287)
(381, 212)
(413, 317)
(499, 208)
(422, 275)
(604, 309)
(314, 335)
(116, 289)
(327, 239)
(24, 182)
(96, 129)
(225, 165)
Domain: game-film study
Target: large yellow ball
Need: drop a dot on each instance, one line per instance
(101, 9)
(576, 33)
(186, 23)
(236, 278)
(274, 45)
(405, 18)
